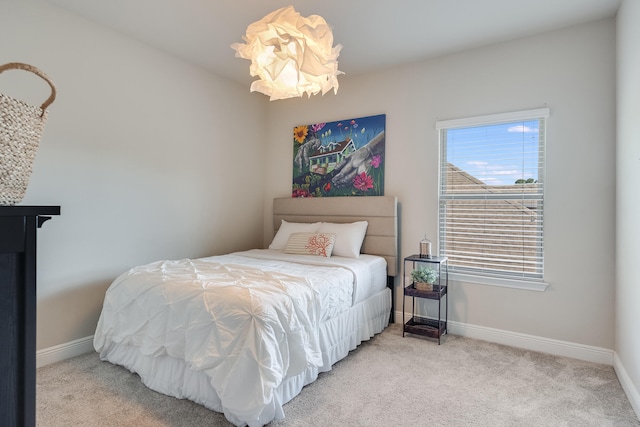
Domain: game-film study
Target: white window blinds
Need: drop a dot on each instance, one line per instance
(491, 198)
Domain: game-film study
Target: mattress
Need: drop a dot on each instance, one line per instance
(240, 333)
(370, 271)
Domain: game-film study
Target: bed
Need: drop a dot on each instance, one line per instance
(243, 333)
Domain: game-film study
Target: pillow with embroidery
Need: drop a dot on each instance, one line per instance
(286, 228)
(320, 244)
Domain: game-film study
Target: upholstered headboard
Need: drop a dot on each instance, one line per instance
(380, 211)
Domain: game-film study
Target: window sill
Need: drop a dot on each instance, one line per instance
(504, 283)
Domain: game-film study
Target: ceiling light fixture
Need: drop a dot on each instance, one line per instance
(291, 55)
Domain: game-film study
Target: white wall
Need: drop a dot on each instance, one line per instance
(628, 202)
(149, 158)
(572, 71)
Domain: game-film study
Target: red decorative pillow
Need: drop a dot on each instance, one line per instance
(320, 244)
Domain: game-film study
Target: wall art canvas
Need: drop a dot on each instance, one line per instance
(341, 158)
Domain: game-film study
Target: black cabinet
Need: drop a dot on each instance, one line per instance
(18, 225)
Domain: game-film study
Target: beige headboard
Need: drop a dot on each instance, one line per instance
(380, 211)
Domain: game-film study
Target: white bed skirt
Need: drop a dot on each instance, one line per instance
(174, 377)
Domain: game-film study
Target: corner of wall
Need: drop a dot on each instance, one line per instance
(627, 385)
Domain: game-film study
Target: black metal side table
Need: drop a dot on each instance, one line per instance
(425, 326)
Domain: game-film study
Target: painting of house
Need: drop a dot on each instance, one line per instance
(325, 159)
(340, 158)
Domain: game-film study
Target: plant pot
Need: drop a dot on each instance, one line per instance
(422, 286)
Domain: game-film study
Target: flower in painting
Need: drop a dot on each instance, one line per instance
(327, 187)
(363, 182)
(375, 161)
(317, 127)
(300, 192)
(300, 133)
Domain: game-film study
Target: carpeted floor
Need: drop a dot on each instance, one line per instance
(387, 381)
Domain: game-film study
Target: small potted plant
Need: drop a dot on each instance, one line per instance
(424, 278)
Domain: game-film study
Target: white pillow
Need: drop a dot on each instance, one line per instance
(320, 244)
(349, 237)
(286, 228)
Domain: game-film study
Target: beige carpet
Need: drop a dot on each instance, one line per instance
(387, 381)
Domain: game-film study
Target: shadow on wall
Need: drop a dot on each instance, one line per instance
(67, 315)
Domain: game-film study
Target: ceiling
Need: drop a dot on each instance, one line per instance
(374, 33)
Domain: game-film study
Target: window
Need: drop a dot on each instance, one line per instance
(491, 197)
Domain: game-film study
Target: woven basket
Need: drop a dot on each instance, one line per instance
(21, 127)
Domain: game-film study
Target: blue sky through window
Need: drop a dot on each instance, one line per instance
(497, 154)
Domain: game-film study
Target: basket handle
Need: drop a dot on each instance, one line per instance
(36, 71)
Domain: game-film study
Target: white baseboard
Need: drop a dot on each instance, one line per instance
(64, 351)
(534, 343)
(627, 385)
(529, 342)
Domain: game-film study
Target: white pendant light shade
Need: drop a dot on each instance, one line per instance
(291, 55)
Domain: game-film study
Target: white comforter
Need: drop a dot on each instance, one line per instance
(247, 323)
